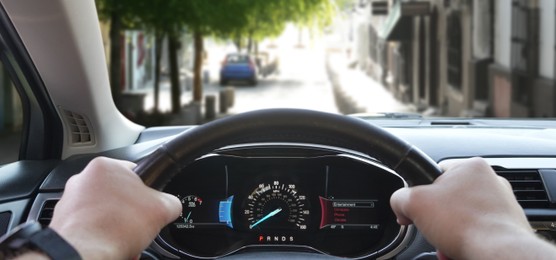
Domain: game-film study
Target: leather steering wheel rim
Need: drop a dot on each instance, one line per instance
(287, 125)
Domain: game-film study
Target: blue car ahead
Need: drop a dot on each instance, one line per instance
(239, 67)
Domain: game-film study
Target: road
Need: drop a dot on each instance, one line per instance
(301, 83)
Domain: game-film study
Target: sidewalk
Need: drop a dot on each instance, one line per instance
(355, 92)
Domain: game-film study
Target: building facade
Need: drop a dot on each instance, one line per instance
(468, 57)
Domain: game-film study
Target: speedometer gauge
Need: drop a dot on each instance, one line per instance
(276, 205)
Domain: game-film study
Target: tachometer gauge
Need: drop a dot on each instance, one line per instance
(276, 206)
(189, 204)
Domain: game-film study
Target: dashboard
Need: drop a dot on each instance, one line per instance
(334, 203)
(306, 201)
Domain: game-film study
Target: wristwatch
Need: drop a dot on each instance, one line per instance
(31, 237)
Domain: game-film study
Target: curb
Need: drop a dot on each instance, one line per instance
(356, 93)
(345, 103)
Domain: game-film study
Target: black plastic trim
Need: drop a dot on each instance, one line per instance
(154, 133)
(22, 179)
(58, 177)
(548, 177)
(288, 125)
(42, 136)
(540, 214)
(17, 209)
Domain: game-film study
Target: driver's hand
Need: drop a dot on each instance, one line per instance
(107, 212)
(467, 213)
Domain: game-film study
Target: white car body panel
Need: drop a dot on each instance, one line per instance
(73, 68)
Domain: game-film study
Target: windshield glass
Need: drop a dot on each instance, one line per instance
(234, 58)
(171, 61)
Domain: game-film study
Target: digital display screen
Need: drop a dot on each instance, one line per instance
(348, 214)
(332, 204)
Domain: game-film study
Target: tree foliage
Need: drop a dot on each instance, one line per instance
(261, 19)
(119, 14)
(239, 20)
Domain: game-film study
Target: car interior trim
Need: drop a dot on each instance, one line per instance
(21, 179)
(41, 198)
(39, 112)
(87, 92)
(16, 208)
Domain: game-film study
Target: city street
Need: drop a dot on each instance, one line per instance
(301, 82)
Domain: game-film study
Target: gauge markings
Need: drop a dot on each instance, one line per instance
(276, 206)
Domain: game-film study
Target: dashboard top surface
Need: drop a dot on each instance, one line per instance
(438, 143)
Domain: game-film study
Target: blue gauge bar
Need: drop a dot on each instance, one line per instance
(225, 211)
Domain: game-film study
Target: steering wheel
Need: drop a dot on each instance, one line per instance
(288, 125)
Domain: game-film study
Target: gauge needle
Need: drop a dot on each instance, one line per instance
(187, 218)
(274, 212)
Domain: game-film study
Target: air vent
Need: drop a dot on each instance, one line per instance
(47, 210)
(527, 186)
(79, 127)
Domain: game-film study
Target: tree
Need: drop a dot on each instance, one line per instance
(242, 20)
(268, 18)
(208, 18)
(164, 18)
(160, 17)
(120, 14)
(248, 21)
(168, 18)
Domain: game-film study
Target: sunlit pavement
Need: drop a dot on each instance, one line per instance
(302, 82)
(358, 93)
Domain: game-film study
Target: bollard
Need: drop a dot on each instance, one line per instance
(230, 95)
(188, 83)
(206, 77)
(190, 114)
(210, 107)
(223, 102)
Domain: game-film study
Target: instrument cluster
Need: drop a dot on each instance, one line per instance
(336, 204)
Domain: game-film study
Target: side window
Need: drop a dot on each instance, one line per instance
(11, 119)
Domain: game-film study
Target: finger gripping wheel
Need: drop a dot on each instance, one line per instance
(287, 125)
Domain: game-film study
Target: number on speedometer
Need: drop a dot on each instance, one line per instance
(276, 206)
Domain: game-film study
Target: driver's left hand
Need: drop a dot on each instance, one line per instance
(107, 212)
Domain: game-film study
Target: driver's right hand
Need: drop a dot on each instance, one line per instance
(467, 210)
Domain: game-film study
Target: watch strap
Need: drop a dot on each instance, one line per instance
(53, 245)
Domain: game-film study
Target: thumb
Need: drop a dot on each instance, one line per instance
(172, 205)
(399, 203)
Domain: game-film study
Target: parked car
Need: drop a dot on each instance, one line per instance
(240, 67)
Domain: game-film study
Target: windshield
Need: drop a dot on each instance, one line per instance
(171, 62)
(235, 58)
